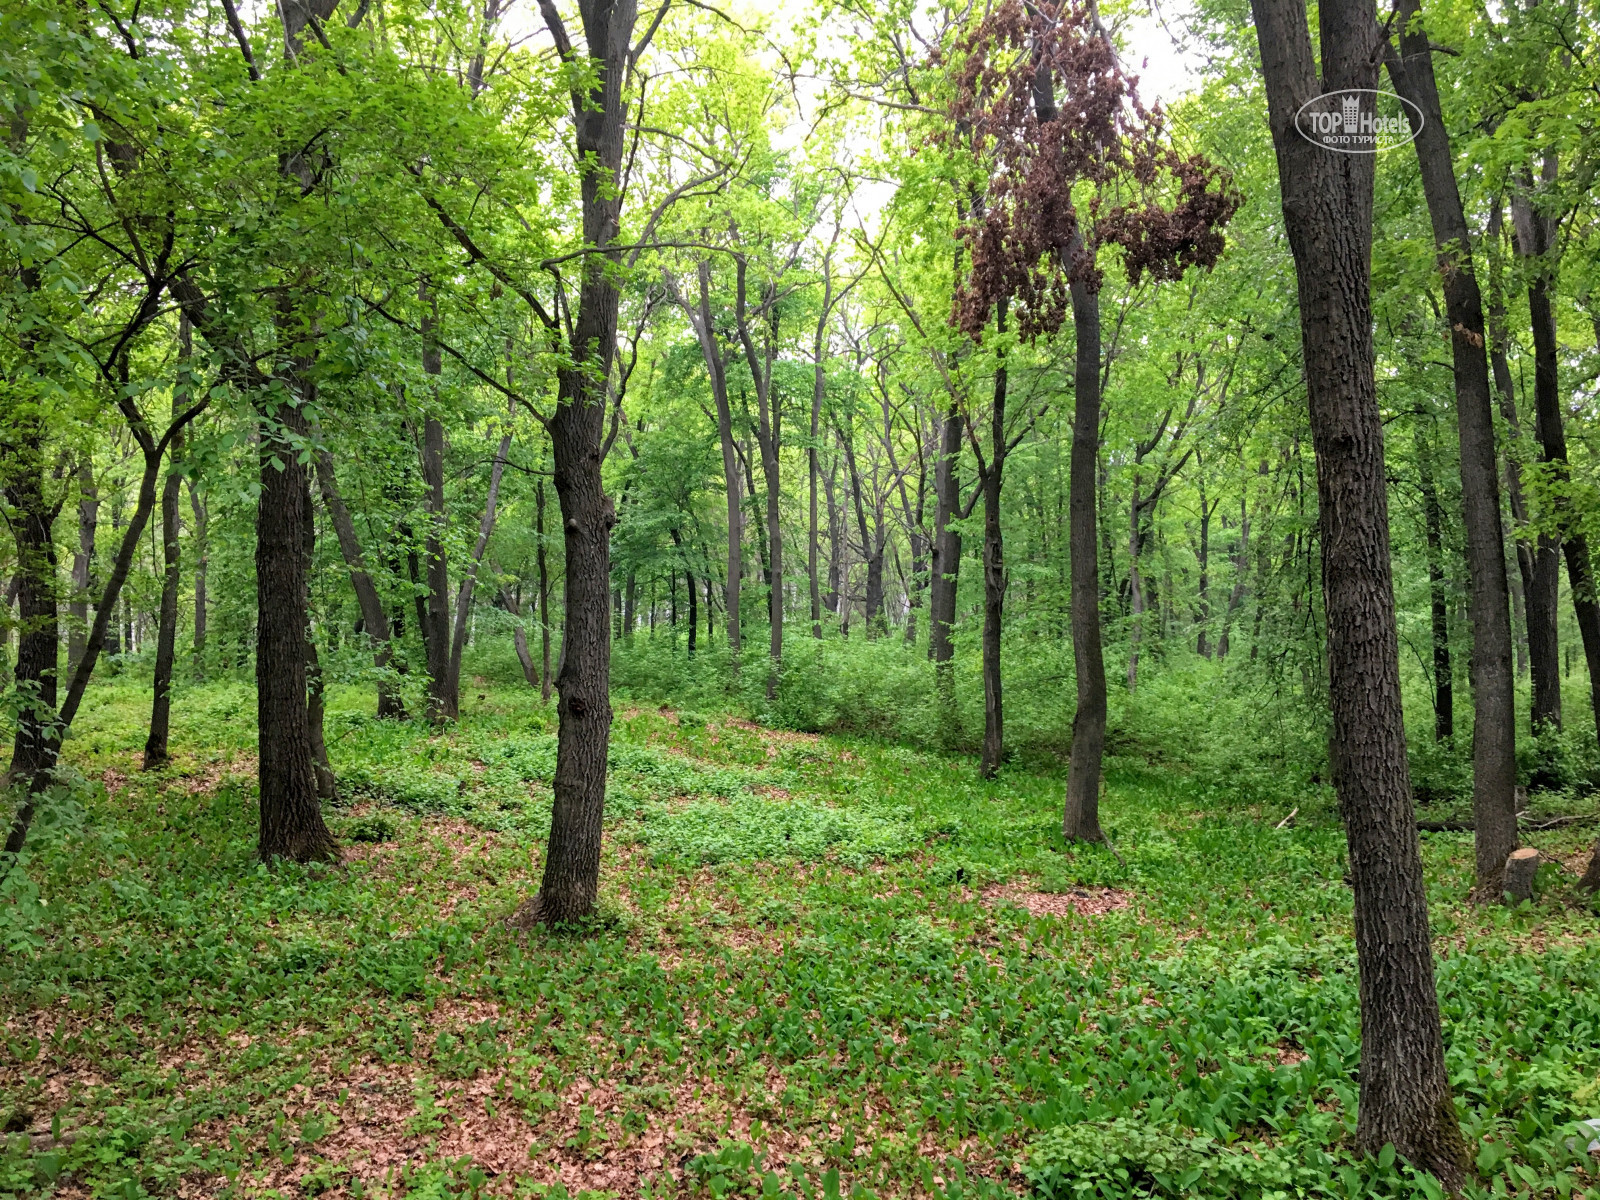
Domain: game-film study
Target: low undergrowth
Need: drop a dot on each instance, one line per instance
(800, 983)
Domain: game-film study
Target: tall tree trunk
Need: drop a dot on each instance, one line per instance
(155, 745)
(946, 563)
(572, 861)
(994, 573)
(1241, 574)
(871, 548)
(819, 382)
(458, 637)
(1327, 209)
(1506, 395)
(376, 622)
(1494, 718)
(1080, 819)
(1535, 235)
(443, 703)
(1544, 586)
(82, 563)
(202, 561)
(1444, 710)
(1136, 598)
(1202, 642)
(544, 596)
(31, 516)
(291, 814)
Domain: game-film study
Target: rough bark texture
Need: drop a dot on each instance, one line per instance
(1494, 718)
(1544, 653)
(1520, 868)
(1444, 704)
(291, 814)
(572, 861)
(373, 619)
(1080, 820)
(1327, 205)
(31, 516)
(542, 556)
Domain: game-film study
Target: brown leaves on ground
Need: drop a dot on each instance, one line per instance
(1082, 901)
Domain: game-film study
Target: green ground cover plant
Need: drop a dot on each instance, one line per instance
(825, 966)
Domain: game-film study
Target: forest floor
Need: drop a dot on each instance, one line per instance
(824, 968)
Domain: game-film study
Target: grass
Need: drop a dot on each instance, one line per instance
(817, 974)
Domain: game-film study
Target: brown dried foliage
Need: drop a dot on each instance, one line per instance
(1042, 102)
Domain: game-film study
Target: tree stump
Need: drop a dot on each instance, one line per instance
(1520, 869)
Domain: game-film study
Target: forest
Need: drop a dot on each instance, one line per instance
(929, 599)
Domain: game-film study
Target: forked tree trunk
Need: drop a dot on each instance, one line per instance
(155, 745)
(1081, 814)
(491, 507)
(1549, 426)
(1327, 209)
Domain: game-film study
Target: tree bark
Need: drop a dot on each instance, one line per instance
(577, 428)
(519, 638)
(444, 703)
(1080, 819)
(1494, 723)
(1327, 208)
(1544, 653)
(946, 561)
(545, 682)
(82, 562)
(376, 622)
(291, 813)
(31, 516)
(994, 573)
(1506, 395)
(202, 562)
(1202, 643)
(155, 745)
(458, 637)
(1444, 713)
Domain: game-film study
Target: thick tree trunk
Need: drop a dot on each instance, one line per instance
(1327, 207)
(571, 877)
(291, 814)
(1080, 819)
(1523, 599)
(155, 745)
(994, 575)
(373, 618)
(82, 563)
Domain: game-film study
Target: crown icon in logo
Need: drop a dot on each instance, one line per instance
(1352, 111)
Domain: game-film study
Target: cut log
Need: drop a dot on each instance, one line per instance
(1520, 869)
